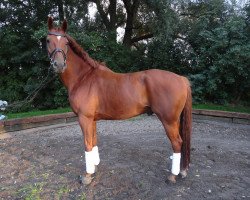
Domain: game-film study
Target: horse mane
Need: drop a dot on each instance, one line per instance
(78, 50)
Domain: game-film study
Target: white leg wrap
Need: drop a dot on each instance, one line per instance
(90, 166)
(96, 156)
(176, 161)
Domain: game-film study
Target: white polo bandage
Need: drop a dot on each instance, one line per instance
(90, 166)
(176, 161)
(96, 157)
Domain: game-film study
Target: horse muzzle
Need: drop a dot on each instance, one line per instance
(58, 67)
(58, 60)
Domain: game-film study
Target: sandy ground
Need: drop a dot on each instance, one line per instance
(45, 163)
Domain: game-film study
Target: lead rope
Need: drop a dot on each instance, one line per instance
(33, 94)
(43, 83)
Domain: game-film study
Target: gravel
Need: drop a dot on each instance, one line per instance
(46, 162)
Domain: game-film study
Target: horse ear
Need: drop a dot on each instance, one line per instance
(64, 25)
(50, 23)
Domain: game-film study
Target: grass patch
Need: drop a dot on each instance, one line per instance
(82, 197)
(38, 113)
(62, 191)
(229, 108)
(31, 192)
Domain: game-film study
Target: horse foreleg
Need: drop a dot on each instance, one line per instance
(87, 126)
(172, 130)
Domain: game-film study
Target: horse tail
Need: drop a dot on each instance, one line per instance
(186, 129)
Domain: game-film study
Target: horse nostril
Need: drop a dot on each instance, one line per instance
(55, 63)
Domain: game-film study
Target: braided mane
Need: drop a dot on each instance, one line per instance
(78, 50)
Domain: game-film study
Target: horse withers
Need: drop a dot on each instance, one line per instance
(95, 92)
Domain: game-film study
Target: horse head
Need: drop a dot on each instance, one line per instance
(57, 45)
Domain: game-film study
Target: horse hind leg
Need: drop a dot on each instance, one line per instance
(172, 131)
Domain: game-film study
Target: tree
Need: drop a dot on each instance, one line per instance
(23, 59)
(138, 18)
(219, 41)
(206, 40)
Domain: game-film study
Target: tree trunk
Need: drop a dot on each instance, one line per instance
(131, 9)
(128, 30)
(111, 21)
(112, 14)
(60, 10)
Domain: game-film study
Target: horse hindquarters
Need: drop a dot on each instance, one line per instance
(179, 133)
(176, 117)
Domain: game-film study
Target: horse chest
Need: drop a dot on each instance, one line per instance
(82, 101)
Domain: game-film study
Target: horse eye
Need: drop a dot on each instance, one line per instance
(47, 41)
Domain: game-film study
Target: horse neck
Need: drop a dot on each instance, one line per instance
(76, 69)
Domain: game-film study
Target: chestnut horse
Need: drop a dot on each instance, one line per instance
(95, 92)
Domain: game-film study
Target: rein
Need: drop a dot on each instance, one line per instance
(33, 94)
(44, 82)
(56, 50)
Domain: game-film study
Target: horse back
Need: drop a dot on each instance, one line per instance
(127, 95)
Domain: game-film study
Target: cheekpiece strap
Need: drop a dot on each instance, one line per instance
(56, 34)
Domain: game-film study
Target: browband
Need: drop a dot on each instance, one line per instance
(57, 34)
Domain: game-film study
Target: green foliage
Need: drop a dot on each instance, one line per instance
(206, 40)
(113, 54)
(221, 72)
(60, 96)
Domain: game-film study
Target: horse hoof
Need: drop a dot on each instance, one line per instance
(86, 179)
(183, 173)
(171, 179)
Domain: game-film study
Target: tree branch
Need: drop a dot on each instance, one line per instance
(103, 15)
(120, 23)
(180, 37)
(127, 5)
(142, 37)
(135, 6)
(131, 9)
(112, 13)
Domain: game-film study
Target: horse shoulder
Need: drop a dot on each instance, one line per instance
(84, 98)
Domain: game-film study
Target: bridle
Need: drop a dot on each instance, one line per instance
(56, 50)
